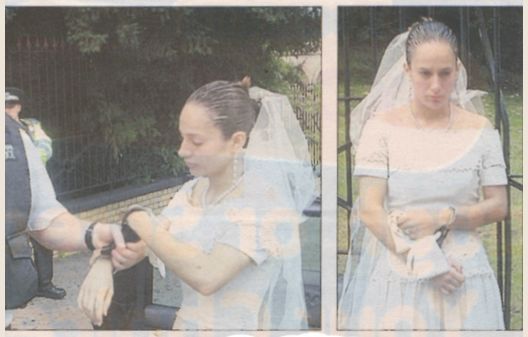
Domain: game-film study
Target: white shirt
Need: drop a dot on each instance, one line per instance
(44, 204)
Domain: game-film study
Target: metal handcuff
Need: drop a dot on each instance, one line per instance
(444, 229)
(129, 235)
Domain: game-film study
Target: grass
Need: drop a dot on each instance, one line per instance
(489, 233)
(513, 104)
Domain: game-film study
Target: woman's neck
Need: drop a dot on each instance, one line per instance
(219, 184)
(430, 117)
(219, 188)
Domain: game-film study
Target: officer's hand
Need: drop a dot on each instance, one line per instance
(126, 257)
(104, 234)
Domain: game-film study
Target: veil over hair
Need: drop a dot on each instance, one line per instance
(391, 88)
(280, 149)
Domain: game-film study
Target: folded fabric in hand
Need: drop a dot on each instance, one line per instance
(425, 259)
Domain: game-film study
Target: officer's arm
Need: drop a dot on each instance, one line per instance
(67, 233)
(50, 223)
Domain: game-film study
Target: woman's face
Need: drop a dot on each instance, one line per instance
(433, 73)
(204, 148)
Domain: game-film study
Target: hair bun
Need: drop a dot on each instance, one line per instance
(246, 82)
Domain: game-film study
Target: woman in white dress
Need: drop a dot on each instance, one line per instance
(431, 172)
(231, 234)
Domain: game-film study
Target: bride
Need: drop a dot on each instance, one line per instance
(231, 234)
(431, 172)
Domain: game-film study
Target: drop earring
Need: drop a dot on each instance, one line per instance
(236, 165)
(455, 97)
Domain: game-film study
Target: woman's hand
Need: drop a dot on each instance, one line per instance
(139, 221)
(420, 222)
(451, 280)
(97, 290)
(126, 257)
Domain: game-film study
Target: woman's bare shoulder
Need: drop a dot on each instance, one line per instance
(397, 116)
(465, 119)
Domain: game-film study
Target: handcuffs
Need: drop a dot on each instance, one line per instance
(129, 235)
(444, 229)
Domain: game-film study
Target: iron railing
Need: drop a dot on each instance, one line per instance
(55, 77)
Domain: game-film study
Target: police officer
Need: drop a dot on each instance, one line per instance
(43, 256)
(33, 210)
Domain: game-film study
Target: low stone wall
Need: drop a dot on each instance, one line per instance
(113, 212)
(110, 206)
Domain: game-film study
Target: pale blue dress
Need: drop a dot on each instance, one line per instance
(432, 169)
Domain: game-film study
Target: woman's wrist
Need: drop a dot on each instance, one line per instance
(137, 220)
(452, 217)
(446, 217)
(99, 258)
(101, 235)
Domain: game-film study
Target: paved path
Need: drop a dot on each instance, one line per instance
(44, 314)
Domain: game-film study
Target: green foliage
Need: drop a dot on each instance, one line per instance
(145, 61)
(171, 161)
(368, 30)
(119, 130)
(82, 32)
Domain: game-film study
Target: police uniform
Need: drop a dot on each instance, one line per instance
(43, 256)
(31, 205)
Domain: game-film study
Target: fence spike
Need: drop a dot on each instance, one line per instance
(46, 45)
(28, 43)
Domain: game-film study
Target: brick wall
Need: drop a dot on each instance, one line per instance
(113, 212)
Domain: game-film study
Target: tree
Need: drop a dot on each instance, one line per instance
(147, 60)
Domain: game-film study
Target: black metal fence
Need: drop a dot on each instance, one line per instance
(56, 79)
(306, 101)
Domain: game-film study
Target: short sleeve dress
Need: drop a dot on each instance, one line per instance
(268, 294)
(431, 169)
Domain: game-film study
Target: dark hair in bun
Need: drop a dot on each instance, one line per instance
(229, 104)
(428, 30)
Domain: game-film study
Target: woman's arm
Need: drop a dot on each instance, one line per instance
(421, 222)
(373, 214)
(493, 208)
(97, 289)
(372, 209)
(206, 273)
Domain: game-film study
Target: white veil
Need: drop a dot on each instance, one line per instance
(391, 88)
(278, 143)
(279, 175)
